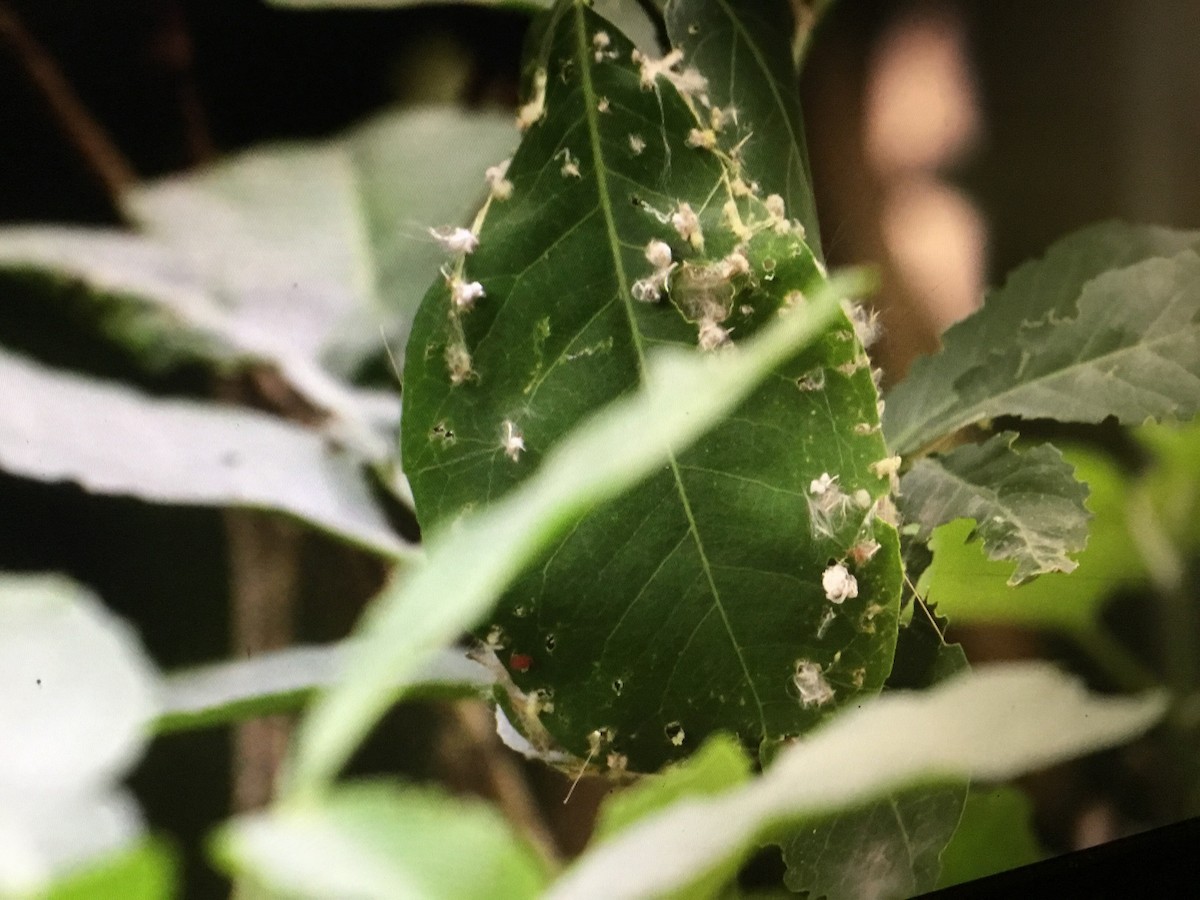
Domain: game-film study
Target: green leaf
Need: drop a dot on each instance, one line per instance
(430, 604)
(719, 765)
(686, 607)
(897, 740)
(744, 49)
(889, 848)
(330, 265)
(1102, 325)
(996, 834)
(969, 588)
(889, 845)
(284, 681)
(144, 872)
(77, 694)
(111, 439)
(238, 268)
(1027, 506)
(383, 841)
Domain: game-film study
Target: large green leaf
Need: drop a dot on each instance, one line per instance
(285, 680)
(325, 243)
(970, 588)
(996, 834)
(112, 439)
(76, 695)
(744, 49)
(240, 267)
(1103, 325)
(467, 567)
(1027, 506)
(701, 602)
(383, 841)
(902, 739)
(886, 848)
(890, 844)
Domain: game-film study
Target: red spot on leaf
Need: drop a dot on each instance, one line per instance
(520, 662)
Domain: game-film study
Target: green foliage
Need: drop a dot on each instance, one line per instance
(646, 626)
(744, 49)
(1027, 506)
(383, 841)
(684, 395)
(970, 588)
(899, 740)
(996, 834)
(887, 848)
(286, 680)
(718, 766)
(1063, 341)
(644, 443)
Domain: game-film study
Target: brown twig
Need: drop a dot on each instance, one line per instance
(174, 50)
(95, 147)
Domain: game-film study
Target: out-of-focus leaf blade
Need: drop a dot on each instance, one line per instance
(1027, 506)
(76, 695)
(380, 842)
(286, 680)
(111, 439)
(1104, 324)
(886, 848)
(996, 834)
(719, 765)
(325, 244)
(899, 739)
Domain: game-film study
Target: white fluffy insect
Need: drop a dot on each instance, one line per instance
(811, 684)
(512, 440)
(687, 223)
(839, 584)
(464, 293)
(501, 188)
(455, 241)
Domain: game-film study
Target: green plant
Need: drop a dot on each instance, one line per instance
(652, 468)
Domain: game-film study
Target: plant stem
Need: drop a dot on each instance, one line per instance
(95, 147)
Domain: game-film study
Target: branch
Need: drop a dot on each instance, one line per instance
(97, 150)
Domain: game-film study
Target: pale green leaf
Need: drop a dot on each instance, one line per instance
(326, 243)
(285, 680)
(1027, 505)
(1102, 325)
(894, 841)
(144, 872)
(744, 49)
(719, 765)
(76, 695)
(429, 605)
(900, 739)
(969, 588)
(685, 607)
(886, 848)
(111, 439)
(383, 841)
(996, 834)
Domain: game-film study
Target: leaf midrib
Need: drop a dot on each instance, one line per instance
(614, 244)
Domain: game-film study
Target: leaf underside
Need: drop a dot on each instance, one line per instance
(1104, 325)
(685, 607)
(1027, 506)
